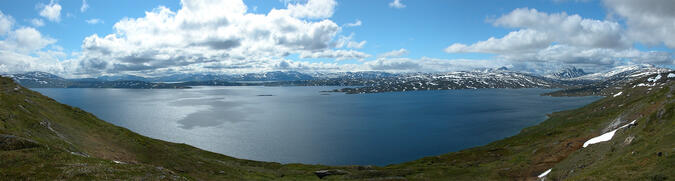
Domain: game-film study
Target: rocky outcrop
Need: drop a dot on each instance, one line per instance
(11, 142)
(324, 173)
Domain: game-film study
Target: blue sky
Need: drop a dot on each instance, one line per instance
(423, 28)
(422, 31)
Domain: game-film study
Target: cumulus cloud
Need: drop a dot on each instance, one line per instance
(354, 24)
(26, 40)
(525, 40)
(563, 39)
(394, 53)
(51, 11)
(94, 21)
(539, 30)
(649, 21)
(24, 48)
(84, 6)
(396, 4)
(567, 29)
(205, 35)
(313, 9)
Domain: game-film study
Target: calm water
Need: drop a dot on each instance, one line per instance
(302, 125)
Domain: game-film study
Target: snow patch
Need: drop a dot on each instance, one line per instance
(654, 79)
(671, 75)
(618, 94)
(605, 137)
(542, 175)
(646, 85)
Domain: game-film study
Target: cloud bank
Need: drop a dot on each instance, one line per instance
(561, 38)
(203, 35)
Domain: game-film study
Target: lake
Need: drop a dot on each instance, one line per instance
(304, 125)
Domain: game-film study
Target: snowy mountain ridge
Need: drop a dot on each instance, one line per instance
(628, 71)
(371, 81)
(567, 73)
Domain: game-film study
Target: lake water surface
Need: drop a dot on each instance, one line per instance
(303, 125)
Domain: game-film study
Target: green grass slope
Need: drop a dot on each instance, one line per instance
(43, 139)
(68, 143)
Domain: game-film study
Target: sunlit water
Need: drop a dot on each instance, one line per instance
(303, 125)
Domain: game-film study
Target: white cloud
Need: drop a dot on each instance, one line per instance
(37, 22)
(356, 45)
(336, 54)
(568, 29)
(207, 35)
(354, 24)
(84, 6)
(394, 53)
(565, 54)
(51, 11)
(396, 4)
(94, 21)
(524, 40)
(560, 38)
(426, 64)
(539, 30)
(648, 21)
(313, 9)
(46, 61)
(6, 23)
(23, 49)
(347, 41)
(26, 39)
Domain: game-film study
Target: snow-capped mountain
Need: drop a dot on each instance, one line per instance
(266, 76)
(352, 75)
(368, 82)
(273, 76)
(47, 80)
(567, 73)
(38, 79)
(624, 72)
(190, 77)
(121, 77)
(456, 80)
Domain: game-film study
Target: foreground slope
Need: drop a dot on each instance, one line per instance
(43, 139)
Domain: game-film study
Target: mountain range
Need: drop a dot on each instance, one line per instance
(360, 82)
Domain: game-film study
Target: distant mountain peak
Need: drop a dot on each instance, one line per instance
(569, 72)
(486, 70)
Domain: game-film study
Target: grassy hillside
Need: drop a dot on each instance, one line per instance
(68, 143)
(43, 139)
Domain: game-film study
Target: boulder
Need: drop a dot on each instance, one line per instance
(324, 173)
(11, 142)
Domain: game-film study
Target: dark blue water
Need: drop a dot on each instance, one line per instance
(303, 125)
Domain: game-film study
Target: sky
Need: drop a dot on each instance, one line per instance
(89, 38)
